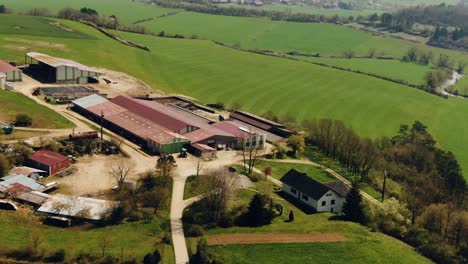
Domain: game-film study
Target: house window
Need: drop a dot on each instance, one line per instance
(324, 203)
(332, 202)
(293, 190)
(329, 194)
(305, 198)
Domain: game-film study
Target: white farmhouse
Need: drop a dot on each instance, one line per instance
(322, 197)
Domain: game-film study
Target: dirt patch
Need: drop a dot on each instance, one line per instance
(57, 24)
(46, 44)
(274, 238)
(15, 47)
(122, 83)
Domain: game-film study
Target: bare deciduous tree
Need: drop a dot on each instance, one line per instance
(120, 169)
(200, 164)
(37, 238)
(221, 186)
(250, 148)
(104, 242)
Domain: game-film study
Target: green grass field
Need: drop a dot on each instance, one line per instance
(137, 238)
(411, 72)
(362, 245)
(127, 11)
(260, 83)
(278, 170)
(261, 33)
(35, 26)
(308, 9)
(12, 103)
(461, 86)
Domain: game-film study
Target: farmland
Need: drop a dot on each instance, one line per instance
(137, 239)
(12, 104)
(361, 245)
(119, 8)
(411, 72)
(198, 68)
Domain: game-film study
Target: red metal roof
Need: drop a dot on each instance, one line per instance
(237, 130)
(203, 147)
(134, 123)
(47, 157)
(155, 112)
(5, 67)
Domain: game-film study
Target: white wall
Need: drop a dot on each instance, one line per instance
(327, 199)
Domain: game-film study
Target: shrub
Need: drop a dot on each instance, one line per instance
(57, 256)
(167, 239)
(195, 231)
(152, 258)
(227, 220)
(23, 120)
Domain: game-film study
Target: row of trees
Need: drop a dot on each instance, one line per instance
(356, 154)
(431, 211)
(209, 8)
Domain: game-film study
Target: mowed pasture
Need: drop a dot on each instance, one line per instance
(36, 26)
(12, 103)
(127, 11)
(283, 36)
(413, 73)
(360, 245)
(213, 73)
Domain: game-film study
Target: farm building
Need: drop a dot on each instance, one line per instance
(32, 173)
(16, 183)
(49, 161)
(321, 197)
(203, 151)
(48, 69)
(247, 136)
(138, 129)
(272, 127)
(77, 207)
(11, 73)
(194, 127)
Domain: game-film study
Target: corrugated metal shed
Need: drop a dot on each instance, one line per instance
(25, 170)
(57, 62)
(36, 198)
(75, 206)
(47, 157)
(89, 101)
(10, 180)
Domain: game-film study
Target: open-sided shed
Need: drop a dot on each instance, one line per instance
(50, 69)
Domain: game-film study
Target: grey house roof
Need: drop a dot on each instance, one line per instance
(10, 180)
(311, 187)
(89, 101)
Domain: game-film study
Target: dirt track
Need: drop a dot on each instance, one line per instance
(274, 238)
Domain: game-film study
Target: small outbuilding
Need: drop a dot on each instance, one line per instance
(11, 73)
(49, 161)
(77, 207)
(203, 151)
(321, 197)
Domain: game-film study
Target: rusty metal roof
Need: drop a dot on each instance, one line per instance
(47, 157)
(5, 67)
